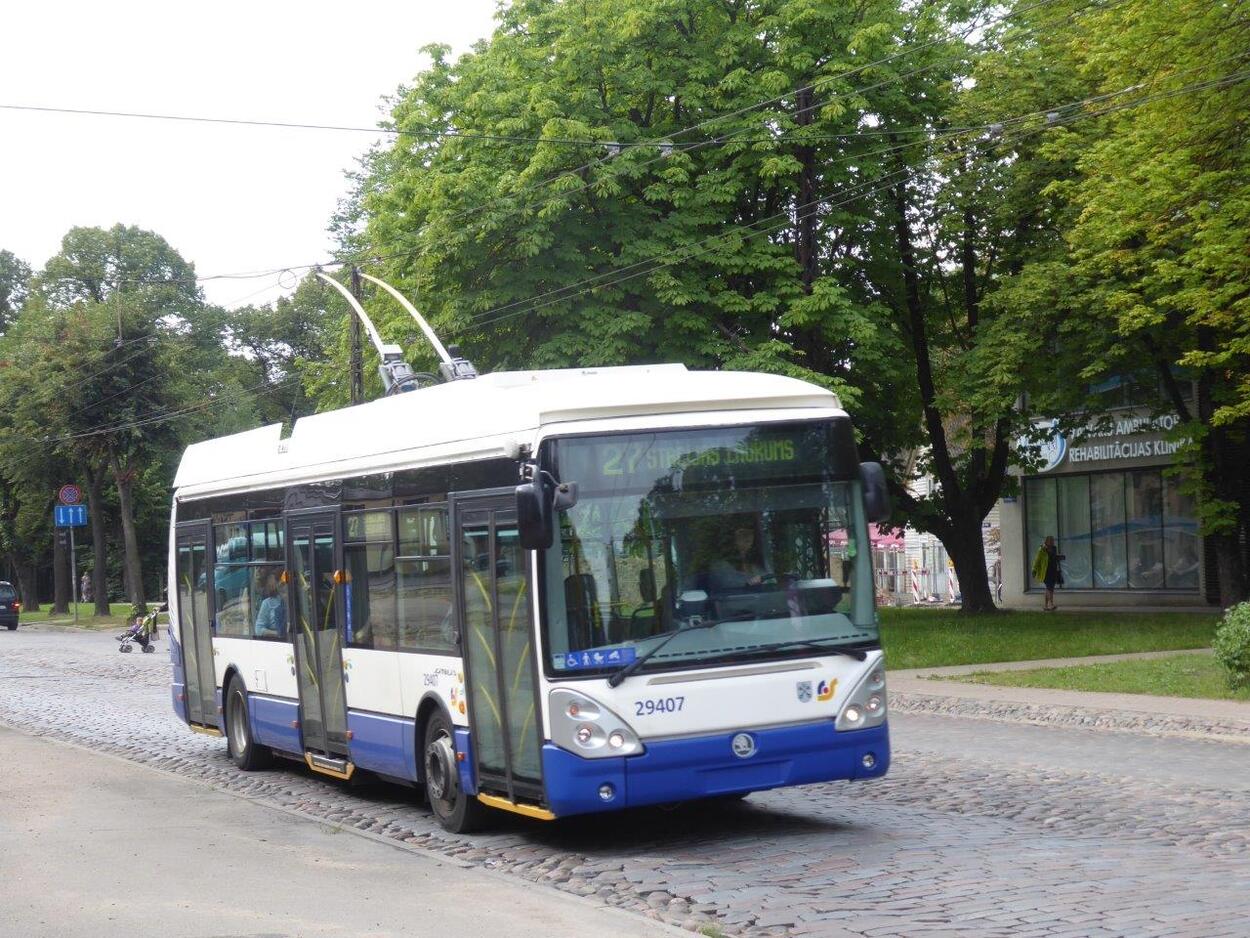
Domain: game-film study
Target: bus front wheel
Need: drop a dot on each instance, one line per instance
(245, 751)
(455, 810)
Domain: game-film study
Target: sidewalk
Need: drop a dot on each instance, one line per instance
(93, 846)
(929, 690)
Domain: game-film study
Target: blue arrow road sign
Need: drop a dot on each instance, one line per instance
(70, 516)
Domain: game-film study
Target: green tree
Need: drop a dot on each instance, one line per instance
(283, 348)
(114, 303)
(1151, 276)
(842, 232)
(14, 286)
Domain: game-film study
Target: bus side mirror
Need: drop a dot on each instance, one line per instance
(876, 493)
(534, 513)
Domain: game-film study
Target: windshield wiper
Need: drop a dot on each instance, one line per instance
(857, 653)
(615, 679)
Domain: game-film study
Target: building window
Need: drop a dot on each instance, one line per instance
(1116, 530)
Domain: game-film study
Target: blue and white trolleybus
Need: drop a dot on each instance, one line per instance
(547, 592)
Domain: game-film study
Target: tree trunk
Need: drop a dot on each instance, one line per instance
(99, 541)
(1227, 481)
(1229, 567)
(805, 211)
(1225, 457)
(28, 582)
(60, 571)
(966, 547)
(122, 474)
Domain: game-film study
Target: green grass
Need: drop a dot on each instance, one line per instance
(86, 617)
(921, 638)
(1175, 676)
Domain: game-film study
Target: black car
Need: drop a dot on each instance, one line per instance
(10, 606)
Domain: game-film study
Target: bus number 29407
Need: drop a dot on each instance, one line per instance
(658, 705)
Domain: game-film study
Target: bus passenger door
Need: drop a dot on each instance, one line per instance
(496, 634)
(315, 575)
(195, 625)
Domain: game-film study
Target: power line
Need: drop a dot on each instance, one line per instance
(746, 230)
(939, 138)
(266, 387)
(737, 137)
(428, 134)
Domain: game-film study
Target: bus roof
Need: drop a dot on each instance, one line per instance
(473, 419)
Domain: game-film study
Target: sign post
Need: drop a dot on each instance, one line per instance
(70, 514)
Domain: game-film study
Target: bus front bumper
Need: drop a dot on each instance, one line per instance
(706, 766)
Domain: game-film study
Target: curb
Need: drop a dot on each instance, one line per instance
(1123, 721)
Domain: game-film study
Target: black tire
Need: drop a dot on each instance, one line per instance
(12, 626)
(247, 754)
(452, 808)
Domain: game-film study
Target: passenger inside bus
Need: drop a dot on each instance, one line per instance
(271, 616)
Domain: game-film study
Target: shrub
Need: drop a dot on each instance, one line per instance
(1232, 645)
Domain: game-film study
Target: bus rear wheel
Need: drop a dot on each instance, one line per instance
(455, 810)
(247, 754)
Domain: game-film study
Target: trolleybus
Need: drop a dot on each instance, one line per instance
(547, 592)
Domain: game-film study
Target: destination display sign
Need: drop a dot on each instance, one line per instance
(674, 459)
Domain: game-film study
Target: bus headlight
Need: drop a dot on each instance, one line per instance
(589, 729)
(866, 704)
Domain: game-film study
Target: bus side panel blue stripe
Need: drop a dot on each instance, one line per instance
(464, 744)
(382, 744)
(271, 723)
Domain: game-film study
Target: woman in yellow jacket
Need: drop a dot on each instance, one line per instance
(1046, 567)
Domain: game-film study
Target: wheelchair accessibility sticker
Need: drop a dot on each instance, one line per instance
(594, 658)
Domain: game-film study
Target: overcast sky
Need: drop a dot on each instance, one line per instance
(229, 199)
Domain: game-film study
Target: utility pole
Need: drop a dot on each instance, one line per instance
(357, 363)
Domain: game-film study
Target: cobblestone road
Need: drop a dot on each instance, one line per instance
(989, 844)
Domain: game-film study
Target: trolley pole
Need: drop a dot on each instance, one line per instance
(357, 363)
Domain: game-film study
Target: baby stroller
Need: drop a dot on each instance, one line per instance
(142, 632)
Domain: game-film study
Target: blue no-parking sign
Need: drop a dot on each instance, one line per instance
(70, 516)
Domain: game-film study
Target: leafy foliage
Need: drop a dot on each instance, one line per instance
(1232, 645)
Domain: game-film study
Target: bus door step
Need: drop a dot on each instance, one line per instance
(334, 766)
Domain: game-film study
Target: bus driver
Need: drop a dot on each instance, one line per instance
(745, 566)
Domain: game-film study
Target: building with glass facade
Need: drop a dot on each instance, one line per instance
(1127, 534)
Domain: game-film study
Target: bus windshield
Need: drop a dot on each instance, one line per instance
(744, 536)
